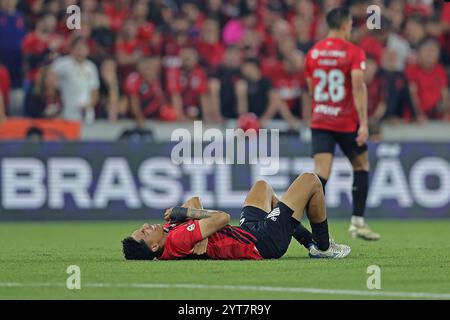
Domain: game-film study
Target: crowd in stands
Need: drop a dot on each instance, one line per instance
(180, 60)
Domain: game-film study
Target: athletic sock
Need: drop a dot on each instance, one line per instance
(357, 221)
(359, 192)
(320, 234)
(324, 183)
(303, 236)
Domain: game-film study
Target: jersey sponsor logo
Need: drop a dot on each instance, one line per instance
(191, 227)
(274, 214)
(328, 110)
(315, 53)
(327, 62)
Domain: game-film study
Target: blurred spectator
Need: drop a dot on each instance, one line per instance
(145, 91)
(129, 48)
(376, 41)
(376, 105)
(255, 93)
(290, 83)
(429, 83)
(397, 95)
(44, 99)
(112, 104)
(12, 32)
(303, 34)
(195, 18)
(139, 13)
(41, 46)
(79, 82)
(102, 36)
(5, 86)
(222, 83)
(117, 11)
(214, 11)
(121, 33)
(415, 30)
(188, 88)
(209, 47)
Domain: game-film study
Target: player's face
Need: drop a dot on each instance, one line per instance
(346, 28)
(150, 233)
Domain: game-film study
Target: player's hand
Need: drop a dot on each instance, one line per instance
(200, 247)
(363, 134)
(167, 214)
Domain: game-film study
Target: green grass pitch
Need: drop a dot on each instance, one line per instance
(414, 257)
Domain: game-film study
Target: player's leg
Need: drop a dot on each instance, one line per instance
(301, 234)
(260, 196)
(359, 158)
(306, 193)
(323, 145)
(298, 196)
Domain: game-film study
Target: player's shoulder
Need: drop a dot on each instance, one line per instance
(354, 48)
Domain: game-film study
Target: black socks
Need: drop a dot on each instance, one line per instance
(320, 235)
(359, 192)
(324, 183)
(303, 236)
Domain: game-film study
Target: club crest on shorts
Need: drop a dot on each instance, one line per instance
(274, 214)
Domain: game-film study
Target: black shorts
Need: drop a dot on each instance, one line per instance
(324, 141)
(273, 230)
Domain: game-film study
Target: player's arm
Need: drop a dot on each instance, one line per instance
(210, 221)
(359, 91)
(306, 100)
(194, 203)
(309, 84)
(201, 246)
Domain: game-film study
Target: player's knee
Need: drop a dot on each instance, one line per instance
(310, 179)
(262, 184)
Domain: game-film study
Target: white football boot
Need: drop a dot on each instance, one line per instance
(334, 251)
(362, 232)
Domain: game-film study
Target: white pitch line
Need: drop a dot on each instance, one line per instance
(392, 294)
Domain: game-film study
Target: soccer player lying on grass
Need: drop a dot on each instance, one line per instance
(266, 228)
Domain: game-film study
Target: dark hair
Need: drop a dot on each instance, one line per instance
(136, 250)
(337, 16)
(252, 60)
(427, 41)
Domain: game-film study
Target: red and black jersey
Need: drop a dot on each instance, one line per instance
(329, 65)
(151, 95)
(229, 243)
(190, 84)
(290, 86)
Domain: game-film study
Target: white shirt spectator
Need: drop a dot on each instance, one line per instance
(77, 81)
(401, 47)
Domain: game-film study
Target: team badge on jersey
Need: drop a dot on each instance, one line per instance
(191, 227)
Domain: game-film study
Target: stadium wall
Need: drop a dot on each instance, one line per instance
(137, 180)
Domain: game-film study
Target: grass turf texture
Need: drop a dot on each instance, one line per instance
(413, 257)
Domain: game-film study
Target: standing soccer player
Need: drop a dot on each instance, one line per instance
(335, 77)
